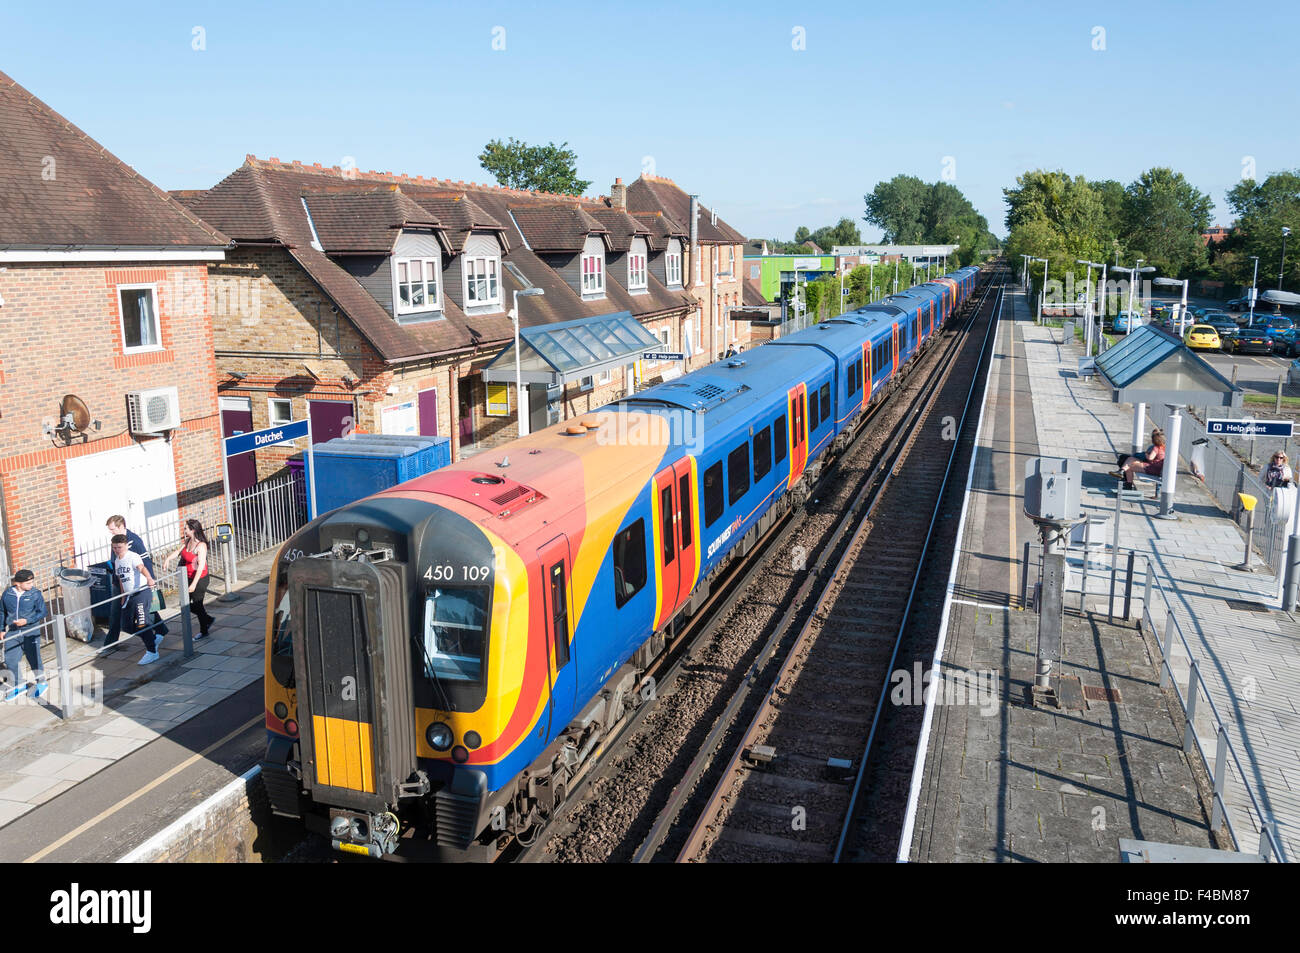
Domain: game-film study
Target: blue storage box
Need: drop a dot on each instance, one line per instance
(350, 468)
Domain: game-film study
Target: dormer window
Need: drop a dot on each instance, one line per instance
(481, 285)
(593, 273)
(673, 265)
(636, 276)
(417, 285)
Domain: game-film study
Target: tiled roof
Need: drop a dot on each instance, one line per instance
(651, 193)
(661, 228)
(364, 222)
(60, 187)
(555, 228)
(262, 201)
(622, 226)
(752, 294)
(460, 215)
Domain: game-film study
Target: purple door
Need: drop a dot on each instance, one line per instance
(243, 468)
(429, 412)
(329, 419)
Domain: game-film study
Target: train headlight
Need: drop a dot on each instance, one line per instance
(339, 828)
(440, 736)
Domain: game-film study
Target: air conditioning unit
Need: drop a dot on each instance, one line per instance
(153, 411)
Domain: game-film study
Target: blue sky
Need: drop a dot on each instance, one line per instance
(715, 97)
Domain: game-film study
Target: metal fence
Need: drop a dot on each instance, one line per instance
(1226, 475)
(268, 513)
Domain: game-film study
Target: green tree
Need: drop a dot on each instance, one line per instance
(1164, 217)
(843, 232)
(801, 235)
(1112, 198)
(548, 168)
(1055, 216)
(1263, 210)
(896, 207)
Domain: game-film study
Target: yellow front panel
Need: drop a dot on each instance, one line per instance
(343, 755)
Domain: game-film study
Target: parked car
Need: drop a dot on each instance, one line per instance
(1126, 321)
(1202, 337)
(1238, 304)
(1280, 328)
(1226, 328)
(1254, 340)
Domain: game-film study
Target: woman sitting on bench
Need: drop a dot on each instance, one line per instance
(1152, 462)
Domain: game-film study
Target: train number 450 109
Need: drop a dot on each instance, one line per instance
(457, 574)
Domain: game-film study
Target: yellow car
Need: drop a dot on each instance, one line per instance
(1202, 337)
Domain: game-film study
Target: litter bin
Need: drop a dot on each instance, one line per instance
(76, 584)
(101, 590)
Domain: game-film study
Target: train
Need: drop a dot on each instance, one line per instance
(446, 657)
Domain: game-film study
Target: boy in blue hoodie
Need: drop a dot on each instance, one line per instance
(22, 609)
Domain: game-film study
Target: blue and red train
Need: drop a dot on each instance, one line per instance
(444, 657)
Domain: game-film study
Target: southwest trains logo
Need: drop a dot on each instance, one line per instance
(722, 540)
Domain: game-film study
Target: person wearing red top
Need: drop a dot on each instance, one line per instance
(1152, 462)
(194, 554)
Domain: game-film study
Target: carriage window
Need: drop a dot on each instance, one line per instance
(629, 562)
(779, 431)
(762, 453)
(738, 472)
(666, 526)
(455, 630)
(559, 616)
(814, 420)
(684, 490)
(825, 394)
(712, 493)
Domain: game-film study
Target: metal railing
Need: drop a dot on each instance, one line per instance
(268, 513)
(1190, 698)
(77, 690)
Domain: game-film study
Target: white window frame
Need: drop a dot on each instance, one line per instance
(157, 319)
(597, 284)
(430, 304)
(698, 254)
(673, 269)
(273, 421)
(664, 335)
(637, 278)
(491, 267)
(731, 261)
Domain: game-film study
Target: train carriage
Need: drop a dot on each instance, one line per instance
(444, 656)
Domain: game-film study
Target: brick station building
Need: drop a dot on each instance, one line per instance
(103, 295)
(376, 302)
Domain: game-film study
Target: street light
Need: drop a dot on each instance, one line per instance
(1087, 307)
(1133, 274)
(1043, 295)
(1254, 291)
(528, 292)
(1285, 232)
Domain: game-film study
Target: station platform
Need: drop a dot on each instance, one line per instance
(43, 756)
(1026, 782)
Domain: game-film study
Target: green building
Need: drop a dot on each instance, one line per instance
(775, 272)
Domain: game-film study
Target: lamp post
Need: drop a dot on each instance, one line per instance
(1281, 270)
(896, 261)
(1254, 292)
(1133, 273)
(523, 422)
(1087, 308)
(1042, 295)
(871, 281)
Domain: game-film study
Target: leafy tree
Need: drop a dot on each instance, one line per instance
(1055, 216)
(801, 235)
(896, 208)
(548, 168)
(1112, 202)
(1263, 210)
(1164, 217)
(843, 232)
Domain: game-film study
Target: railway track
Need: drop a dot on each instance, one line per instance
(623, 808)
(790, 789)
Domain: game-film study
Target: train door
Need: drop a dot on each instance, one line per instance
(867, 373)
(557, 619)
(798, 432)
(894, 341)
(676, 536)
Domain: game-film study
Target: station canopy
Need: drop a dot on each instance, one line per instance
(555, 354)
(1148, 366)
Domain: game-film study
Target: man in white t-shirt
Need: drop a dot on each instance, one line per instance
(136, 582)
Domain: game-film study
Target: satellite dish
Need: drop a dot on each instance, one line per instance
(73, 413)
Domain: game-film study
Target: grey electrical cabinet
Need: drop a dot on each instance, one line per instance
(1052, 489)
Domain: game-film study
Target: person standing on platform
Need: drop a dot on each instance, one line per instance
(117, 525)
(22, 608)
(136, 582)
(194, 554)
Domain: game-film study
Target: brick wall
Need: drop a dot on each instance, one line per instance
(61, 333)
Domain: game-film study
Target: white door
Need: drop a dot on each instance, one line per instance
(138, 481)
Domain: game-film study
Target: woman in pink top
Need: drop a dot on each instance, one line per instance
(1152, 463)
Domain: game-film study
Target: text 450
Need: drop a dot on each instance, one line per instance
(454, 574)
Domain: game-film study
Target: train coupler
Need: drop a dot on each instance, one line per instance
(356, 832)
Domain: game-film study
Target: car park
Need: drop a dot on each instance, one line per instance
(1254, 340)
(1202, 337)
(1226, 329)
(1126, 321)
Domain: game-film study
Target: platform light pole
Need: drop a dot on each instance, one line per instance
(522, 424)
(1042, 296)
(1134, 273)
(1087, 308)
(1254, 292)
(1282, 269)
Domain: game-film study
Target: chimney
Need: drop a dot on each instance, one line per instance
(695, 222)
(618, 194)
